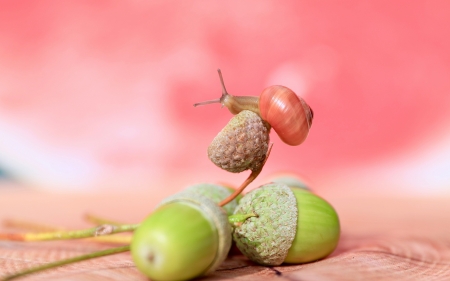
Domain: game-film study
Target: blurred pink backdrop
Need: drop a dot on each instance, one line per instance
(98, 95)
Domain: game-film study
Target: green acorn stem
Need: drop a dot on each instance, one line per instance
(67, 261)
(105, 229)
(238, 219)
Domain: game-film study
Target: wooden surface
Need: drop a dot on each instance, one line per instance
(383, 238)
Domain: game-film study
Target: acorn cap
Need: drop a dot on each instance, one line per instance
(217, 217)
(290, 179)
(215, 192)
(267, 237)
(242, 144)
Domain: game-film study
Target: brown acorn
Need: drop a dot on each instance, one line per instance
(242, 144)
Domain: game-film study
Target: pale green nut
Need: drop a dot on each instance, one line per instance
(318, 229)
(292, 225)
(215, 192)
(187, 236)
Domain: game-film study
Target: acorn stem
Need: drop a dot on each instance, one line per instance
(67, 261)
(238, 219)
(249, 180)
(39, 227)
(105, 229)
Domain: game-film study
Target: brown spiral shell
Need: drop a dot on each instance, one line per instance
(288, 114)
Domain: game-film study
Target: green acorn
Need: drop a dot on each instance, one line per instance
(242, 144)
(289, 225)
(187, 236)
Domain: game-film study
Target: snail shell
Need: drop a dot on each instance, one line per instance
(288, 114)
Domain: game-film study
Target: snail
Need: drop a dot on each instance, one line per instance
(285, 225)
(289, 115)
(187, 236)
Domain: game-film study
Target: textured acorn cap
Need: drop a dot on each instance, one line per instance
(216, 215)
(267, 237)
(215, 192)
(242, 144)
(290, 179)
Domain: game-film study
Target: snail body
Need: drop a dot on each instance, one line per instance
(289, 115)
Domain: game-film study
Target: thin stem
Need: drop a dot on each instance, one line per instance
(238, 219)
(250, 178)
(68, 261)
(105, 229)
(99, 220)
(31, 226)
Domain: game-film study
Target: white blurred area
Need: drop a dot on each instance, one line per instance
(97, 96)
(93, 128)
(421, 171)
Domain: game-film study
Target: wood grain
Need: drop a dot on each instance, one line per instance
(383, 238)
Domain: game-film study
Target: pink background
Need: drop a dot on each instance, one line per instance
(98, 95)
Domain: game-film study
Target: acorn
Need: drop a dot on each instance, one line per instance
(216, 193)
(187, 236)
(242, 144)
(285, 225)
